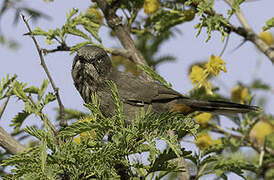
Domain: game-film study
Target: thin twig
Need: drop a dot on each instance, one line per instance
(63, 122)
(116, 52)
(4, 7)
(245, 139)
(124, 53)
(3, 107)
(59, 48)
(240, 17)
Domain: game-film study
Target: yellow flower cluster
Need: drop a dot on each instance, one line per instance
(260, 130)
(84, 134)
(204, 141)
(240, 94)
(203, 119)
(151, 6)
(91, 11)
(198, 75)
(215, 65)
(267, 37)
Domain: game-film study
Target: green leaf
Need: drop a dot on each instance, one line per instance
(18, 120)
(76, 128)
(18, 90)
(49, 98)
(74, 26)
(6, 86)
(154, 75)
(270, 141)
(259, 84)
(74, 48)
(74, 31)
(43, 155)
(42, 90)
(269, 24)
(72, 114)
(39, 32)
(28, 107)
(116, 99)
(174, 144)
(32, 89)
(38, 133)
(72, 13)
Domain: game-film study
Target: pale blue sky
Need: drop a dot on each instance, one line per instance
(241, 64)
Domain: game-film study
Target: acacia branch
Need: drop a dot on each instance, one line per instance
(6, 140)
(63, 122)
(121, 31)
(9, 143)
(117, 52)
(246, 140)
(247, 32)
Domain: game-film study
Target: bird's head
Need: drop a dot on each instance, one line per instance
(96, 57)
(90, 69)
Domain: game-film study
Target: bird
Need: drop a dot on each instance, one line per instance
(92, 68)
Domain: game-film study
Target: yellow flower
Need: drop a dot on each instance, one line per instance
(151, 6)
(204, 140)
(260, 130)
(239, 94)
(198, 76)
(84, 134)
(95, 14)
(77, 140)
(267, 37)
(215, 65)
(203, 119)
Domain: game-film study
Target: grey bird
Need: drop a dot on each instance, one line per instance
(92, 67)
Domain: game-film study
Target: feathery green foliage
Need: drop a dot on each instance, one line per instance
(108, 147)
(71, 27)
(269, 24)
(24, 94)
(114, 147)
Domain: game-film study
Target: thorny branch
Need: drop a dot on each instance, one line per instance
(250, 35)
(245, 31)
(9, 143)
(246, 139)
(6, 140)
(116, 52)
(121, 31)
(63, 122)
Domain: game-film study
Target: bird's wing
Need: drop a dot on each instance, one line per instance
(135, 89)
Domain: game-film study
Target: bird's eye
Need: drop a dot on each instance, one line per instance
(82, 59)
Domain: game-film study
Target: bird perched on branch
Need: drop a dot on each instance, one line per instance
(92, 67)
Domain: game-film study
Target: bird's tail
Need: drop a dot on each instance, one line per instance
(219, 107)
